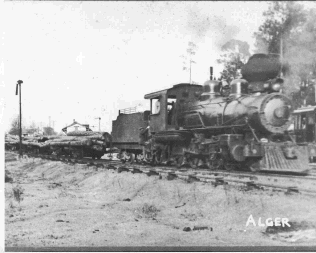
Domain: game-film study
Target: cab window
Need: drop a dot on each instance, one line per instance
(155, 106)
(171, 104)
(300, 121)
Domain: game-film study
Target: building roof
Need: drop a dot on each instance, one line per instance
(77, 123)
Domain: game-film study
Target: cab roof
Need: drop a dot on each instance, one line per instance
(176, 86)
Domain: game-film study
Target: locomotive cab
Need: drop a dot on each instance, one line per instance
(165, 104)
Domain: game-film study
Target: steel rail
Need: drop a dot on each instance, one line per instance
(216, 177)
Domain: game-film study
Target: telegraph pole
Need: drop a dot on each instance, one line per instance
(18, 85)
(190, 69)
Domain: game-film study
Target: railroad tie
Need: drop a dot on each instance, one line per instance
(134, 171)
(292, 190)
(152, 173)
(171, 176)
(100, 165)
(112, 167)
(192, 178)
(219, 181)
(90, 163)
(252, 185)
(80, 161)
(121, 169)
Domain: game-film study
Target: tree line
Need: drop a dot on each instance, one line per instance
(288, 30)
(30, 129)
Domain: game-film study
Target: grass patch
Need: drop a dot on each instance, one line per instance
(149, 211)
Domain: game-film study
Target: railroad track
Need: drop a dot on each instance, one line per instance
(290, 184)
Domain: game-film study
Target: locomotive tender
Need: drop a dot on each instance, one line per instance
(197, 125)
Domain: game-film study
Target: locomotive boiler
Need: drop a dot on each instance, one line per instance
(266, 113)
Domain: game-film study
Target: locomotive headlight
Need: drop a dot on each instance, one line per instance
(282, 112)
(276, 87)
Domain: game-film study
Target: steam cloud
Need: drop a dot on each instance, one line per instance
(300, 53)
(200, 24)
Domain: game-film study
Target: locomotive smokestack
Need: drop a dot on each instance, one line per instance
(211, 73)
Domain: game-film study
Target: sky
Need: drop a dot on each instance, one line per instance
(84, 60)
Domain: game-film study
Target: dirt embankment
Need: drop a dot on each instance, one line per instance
(55, 204)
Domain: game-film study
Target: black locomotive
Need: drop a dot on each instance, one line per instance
(199, 126)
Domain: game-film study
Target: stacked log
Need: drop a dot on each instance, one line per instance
(32, 144)
(81, 133)
(11, 139)
(92, 143)
(95, 136)
(66, 143)
(81, 139)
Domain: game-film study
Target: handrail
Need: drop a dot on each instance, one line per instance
(129, 110)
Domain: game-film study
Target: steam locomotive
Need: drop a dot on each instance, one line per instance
(206, 126)
(199, 126)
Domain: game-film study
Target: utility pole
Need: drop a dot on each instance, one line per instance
(18, 85)
(281, 56)
(99, 123)
(190, 68)
(191, 61)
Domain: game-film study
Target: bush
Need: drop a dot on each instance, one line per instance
(17, 193)
(7, 178)
(150, 211)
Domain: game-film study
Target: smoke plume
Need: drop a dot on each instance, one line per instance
(200, 24)
(300, 52)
